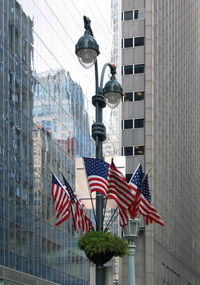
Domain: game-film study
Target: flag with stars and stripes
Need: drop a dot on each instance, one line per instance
(108, 180)
(61, 199)
(97, 172)
(80, 218)
(66, 203)
(118, 188)
(146, 209)
(135, 185)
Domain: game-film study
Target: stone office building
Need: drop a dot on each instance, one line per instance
(160, 128)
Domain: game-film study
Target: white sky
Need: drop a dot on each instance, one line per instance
(58, 24)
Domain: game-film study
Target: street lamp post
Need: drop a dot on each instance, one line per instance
(131, 231)
(87, 51)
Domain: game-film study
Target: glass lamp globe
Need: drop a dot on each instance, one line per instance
(113, 99)
(87, 57)
(87, 50)
(113, 93)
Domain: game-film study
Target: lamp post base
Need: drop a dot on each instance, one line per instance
(100, 276)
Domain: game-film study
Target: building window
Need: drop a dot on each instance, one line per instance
(132, 42)
(128, 151)
(133, 96)
(139, 95)
(139, 14)
(127, 15)
(128, 43)
(133, 123)
(139, 123)
(133, 15)
(128, 97)
(128, 69)
(132, 69)
(139, 150)
(139, 68)
(139, 41)
(128, 177)
(128, 124)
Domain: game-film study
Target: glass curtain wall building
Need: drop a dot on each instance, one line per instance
(44, 126)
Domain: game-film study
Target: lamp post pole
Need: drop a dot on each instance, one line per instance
(99, 135)
(131, 263)
(131, 231)
(87, 51)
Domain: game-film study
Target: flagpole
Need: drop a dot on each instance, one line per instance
(74, 195)
(108, 224)
(104, 210)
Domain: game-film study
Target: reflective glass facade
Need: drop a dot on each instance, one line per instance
(59, 107)
(44, 126)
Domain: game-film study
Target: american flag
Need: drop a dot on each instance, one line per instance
(146, 209)
(97, 172)
(105, 178)
(118, 188)
(123, 212)
(123, 217)
(61, 199)
(69, 189)
(135, 185)
(80, 218)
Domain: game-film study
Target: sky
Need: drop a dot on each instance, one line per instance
(58, 24)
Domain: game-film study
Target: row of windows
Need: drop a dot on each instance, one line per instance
(133, 96)
(133, 15)
(133, 150)
(132, 123)
(132, 69)
(132, 42)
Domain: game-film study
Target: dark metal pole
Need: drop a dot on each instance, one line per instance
(98, 128)
(99, 135)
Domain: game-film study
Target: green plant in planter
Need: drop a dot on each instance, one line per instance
(100, 247)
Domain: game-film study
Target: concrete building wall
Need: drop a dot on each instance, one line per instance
(171, 254)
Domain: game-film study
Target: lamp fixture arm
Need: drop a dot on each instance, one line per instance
(96, 77)
(112, 71)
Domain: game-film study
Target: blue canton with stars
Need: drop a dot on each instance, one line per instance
(95, 166)
(69, 190)
(145, 189)
(137, 177)
(55, 181)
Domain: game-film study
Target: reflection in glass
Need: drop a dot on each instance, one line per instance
(44, 126)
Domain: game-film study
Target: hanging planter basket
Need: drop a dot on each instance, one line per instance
(100, 247)
(101, 258)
